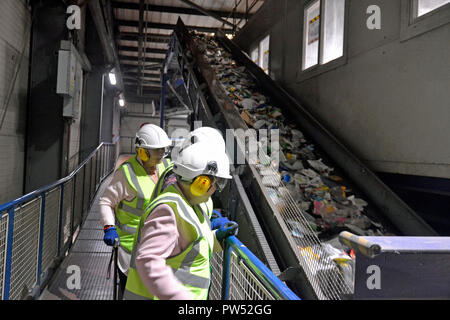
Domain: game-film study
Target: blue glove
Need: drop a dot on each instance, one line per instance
(229, 229)
(110, 235)
(216, 214)
(217, 220)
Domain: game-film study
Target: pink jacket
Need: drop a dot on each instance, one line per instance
(162, 238)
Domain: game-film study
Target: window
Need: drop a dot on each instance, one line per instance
(254, 55)
(260, 55)
(323, 35)
(420, 16)
(423, 7)
(264, 54)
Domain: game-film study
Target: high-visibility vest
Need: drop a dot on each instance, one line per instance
(128, 213)
(192, 266)
(162, 177)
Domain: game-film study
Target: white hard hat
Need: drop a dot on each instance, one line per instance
(151, 136)
(202, 152)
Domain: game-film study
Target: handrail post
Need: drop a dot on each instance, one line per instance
(226, 271)
(7, 280)
(83, 192)
(74, 192)
(41, 240)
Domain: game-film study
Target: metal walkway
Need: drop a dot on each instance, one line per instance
(91, 255)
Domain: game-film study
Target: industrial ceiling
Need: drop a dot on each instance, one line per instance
(143, 29)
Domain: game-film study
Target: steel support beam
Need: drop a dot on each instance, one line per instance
(134, 67)
(147, 59)
(150, 37)
(168, 26)
(176, 10)
(207, 12)
(147, 50)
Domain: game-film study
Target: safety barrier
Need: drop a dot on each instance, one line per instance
(38, 229)
(237, 274)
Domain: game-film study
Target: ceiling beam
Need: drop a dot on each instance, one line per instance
(143, 77)
(147, 59)
(176, 10)
(134, 67)
(146, 91)
(168, 26)
(155, 76)
(147, 50)
(151, 37)
(207, 12)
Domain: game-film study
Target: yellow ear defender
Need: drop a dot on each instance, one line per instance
(200, 186)
(143, 154)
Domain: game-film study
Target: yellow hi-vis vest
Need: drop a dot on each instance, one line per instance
(192, 266)
(128, 213)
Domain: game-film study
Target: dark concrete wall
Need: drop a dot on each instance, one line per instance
(45, 134)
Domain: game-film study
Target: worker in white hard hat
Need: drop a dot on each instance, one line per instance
(129, 192)
(174, 242)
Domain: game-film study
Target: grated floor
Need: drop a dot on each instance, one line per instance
(89, 257)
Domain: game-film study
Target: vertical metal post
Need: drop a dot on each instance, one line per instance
(163, 98)
(95, 172)
(226, 271)
(74, 193)
(90, 183)
(9, 245)
(60, 231)
(41, 240)
(83, 192)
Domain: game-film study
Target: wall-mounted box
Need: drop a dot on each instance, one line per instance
(70, 79)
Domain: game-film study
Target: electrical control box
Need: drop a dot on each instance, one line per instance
(70, 79)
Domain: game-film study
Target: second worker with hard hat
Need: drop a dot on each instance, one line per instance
(174, 242)
(129, 192)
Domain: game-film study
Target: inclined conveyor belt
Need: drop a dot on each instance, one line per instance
(303, 249)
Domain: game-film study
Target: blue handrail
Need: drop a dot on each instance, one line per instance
(271, 282)
(6, 206)
(101, 166)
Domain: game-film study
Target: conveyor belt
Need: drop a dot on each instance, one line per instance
(308, 267)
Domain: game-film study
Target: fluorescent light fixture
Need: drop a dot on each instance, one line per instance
(112, 78)
(122, 102)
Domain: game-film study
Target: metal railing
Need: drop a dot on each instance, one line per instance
(38, 229)
(237, 274)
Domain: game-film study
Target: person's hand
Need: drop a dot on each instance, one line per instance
(217, 220)
(229, 229)
(110, 235)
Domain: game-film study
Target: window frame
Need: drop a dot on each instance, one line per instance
(262, 53)
(413, 26)
(319, 68)
(257, 47)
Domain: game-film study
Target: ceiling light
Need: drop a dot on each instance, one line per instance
(112, 78)
(122, 103)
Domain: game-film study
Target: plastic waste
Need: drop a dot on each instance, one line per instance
(319, 166)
